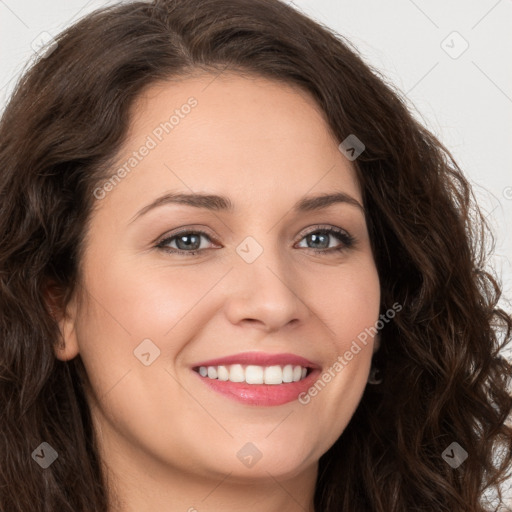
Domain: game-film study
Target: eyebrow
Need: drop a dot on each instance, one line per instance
(221, 203)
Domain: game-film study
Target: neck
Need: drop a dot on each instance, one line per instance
(151, 489)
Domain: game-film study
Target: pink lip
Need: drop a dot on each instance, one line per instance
(260, 359)
(261, 394)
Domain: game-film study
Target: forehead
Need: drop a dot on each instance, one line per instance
(230, 134)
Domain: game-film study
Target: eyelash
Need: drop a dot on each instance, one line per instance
(346, 239)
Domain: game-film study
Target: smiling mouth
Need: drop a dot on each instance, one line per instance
(255, 374)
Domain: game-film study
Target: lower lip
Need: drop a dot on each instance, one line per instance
(261, 394)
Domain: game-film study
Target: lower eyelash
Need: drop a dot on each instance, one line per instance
(346, 240)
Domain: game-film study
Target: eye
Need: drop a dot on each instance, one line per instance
(320, 239)
(188, 242)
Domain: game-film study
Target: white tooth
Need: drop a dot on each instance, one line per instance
(236, 373)
(273, 375)
(297, 372)
(222, 373)
(254, 374)
(288, 373)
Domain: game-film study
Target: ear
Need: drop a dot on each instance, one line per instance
(66, 346)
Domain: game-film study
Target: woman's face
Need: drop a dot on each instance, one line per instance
(251, 284)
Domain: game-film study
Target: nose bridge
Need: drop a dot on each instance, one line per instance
(263, 283)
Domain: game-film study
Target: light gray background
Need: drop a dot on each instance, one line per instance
(466, 101)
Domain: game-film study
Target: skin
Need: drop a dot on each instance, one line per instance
(169, 442)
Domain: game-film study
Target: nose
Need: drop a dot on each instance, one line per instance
(265, 293)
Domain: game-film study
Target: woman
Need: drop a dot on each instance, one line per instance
(236, 273)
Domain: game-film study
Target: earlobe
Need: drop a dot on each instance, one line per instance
(376, 343)
(66, 346)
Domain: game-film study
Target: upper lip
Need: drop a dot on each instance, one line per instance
(260, 359)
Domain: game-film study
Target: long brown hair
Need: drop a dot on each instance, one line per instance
(444, 380)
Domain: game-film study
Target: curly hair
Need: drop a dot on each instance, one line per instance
(445, 379)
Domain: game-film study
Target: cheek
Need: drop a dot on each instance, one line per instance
(358, 305)
(127, 305)
(349, 305)
(135, 302)
(348, 301)
(132, 312)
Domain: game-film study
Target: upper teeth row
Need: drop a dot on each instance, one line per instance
(255, 374)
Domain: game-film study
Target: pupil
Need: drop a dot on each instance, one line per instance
(317, 236)
(189, 240)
